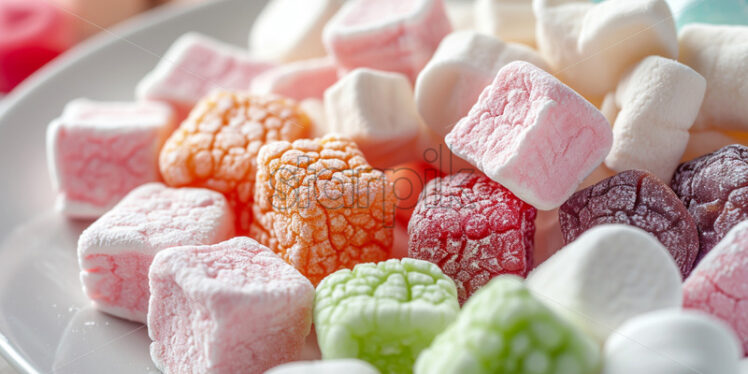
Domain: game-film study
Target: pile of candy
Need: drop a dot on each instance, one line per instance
(582, 209)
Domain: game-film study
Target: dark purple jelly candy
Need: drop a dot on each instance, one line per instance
(714, 188)
(636, 198)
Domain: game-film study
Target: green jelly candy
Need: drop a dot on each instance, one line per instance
(384, 313)
(504, 329)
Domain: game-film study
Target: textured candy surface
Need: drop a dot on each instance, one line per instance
(298, 80)
(390, 35)
(637, 198)
(193, 67)
(718, 283)
(383, 313)
(714, 188)
(341, 366)
(610, 274)
(232, 307)
(533, 135)
(504, 329)
(33, 32)
(672, 341)
(115, 251)
(474, 229)
(217, 146)
(320, 205)
(98, 151)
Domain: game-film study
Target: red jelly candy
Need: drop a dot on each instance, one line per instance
(714, 188)
(474, 229)
(636, 198)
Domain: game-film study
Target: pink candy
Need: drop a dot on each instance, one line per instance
(298, 80)
(99, 151)
(193, 67)
(533, 135)
(719, 283)
(32, 32)
(391, 35)
(233, 307)
(115, 251)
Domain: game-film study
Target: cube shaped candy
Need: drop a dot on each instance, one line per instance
(33, 32)
(321, 206)
(383, 313)
(298, 80)
(194, 66)
(232, 307)
(533, 135)
(391, 35)
(509, 20)
(99, 151)
(291, 30)
(115, 251)
(376, 109)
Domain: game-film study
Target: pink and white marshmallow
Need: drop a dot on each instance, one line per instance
(376, 109)
(291, 30)
(719, 53)
(98, 151)
(654, 107)
(194, 66)
(463, 65)
(298, 80)
(391, 35)
(115, 252)
(717, 284)
(533, 135)
(232, 307)
(509, 20)
(590, 46)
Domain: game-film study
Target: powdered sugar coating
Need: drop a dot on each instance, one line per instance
(719, 283)
(474, 229)
(115, 251)
(714, 188)
(533, 135)
(637, 198)
(233, 307)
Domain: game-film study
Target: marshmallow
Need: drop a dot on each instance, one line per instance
(533, 135)
(339, 366)
(590, 46)
(194, 66)
(291, 30)
(673, 342)
(608, 275)
(375, 109)
(115, 252)
(298, 80)
(657, 103)
(391, 35)
(98, 151)
(33, 32)
(315, 110)
(93, 16)
(717, 284)
(509, 20)
(463, 65)
(232, 307)
(460, 14)
(725, 12)
(719, 54)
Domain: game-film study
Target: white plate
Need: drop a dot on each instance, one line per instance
(45, 320)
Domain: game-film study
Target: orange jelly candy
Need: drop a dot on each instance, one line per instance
(216, 146)
(321, 206)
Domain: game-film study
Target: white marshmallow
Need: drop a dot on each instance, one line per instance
(509, 20)
(460, 14)
(657, 103)
(375, 109)
(720, 54)
(335, 366)
(609, 274)
(315, 110)
(673, 342)
(463, 65)
(290, 30)
(590, 46)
